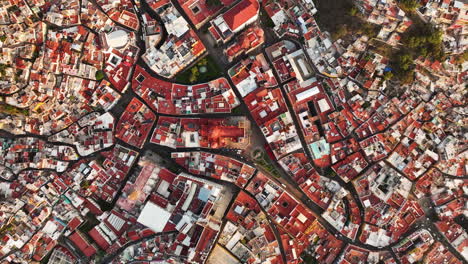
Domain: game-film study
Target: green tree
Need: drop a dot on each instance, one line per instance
(105, 206)
(203, 62)
(100, 75)
(369, 30)
(460, 58)
(353, 11)
(308, 259)
(402, 64)
(194, 73)
(424, 52)
(423, 40)
(3, 68)
(407, 77)
(35, 53)
(340, 32)
(85, 184)
(213, 3)
(435, 37)
(388, 75)
(437, 52)
(99, 255)
(413, 42)
(266, 19)
(405, 61)
(409, 5)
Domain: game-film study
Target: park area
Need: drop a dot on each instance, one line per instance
(261, 158)
(203, 71)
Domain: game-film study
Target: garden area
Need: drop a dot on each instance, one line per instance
(12, 110)
(262, 159)
(203, 71)
(100, 75)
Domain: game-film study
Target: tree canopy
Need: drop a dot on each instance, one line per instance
(424, 40)
(100, 75)
(409, 5)
(213, 3)
(421, 40)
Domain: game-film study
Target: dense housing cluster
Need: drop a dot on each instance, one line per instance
(222, 131)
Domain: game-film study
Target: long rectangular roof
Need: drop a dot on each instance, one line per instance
(239, 14)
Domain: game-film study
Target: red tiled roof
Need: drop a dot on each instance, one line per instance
(238, 15)
(100, 240)
(82, 244)
(74, 223)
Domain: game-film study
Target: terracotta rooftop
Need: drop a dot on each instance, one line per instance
(239, 14)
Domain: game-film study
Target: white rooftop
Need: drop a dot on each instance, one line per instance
(307, 93)
(323, 105)
(154, 217)
(117, 39)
